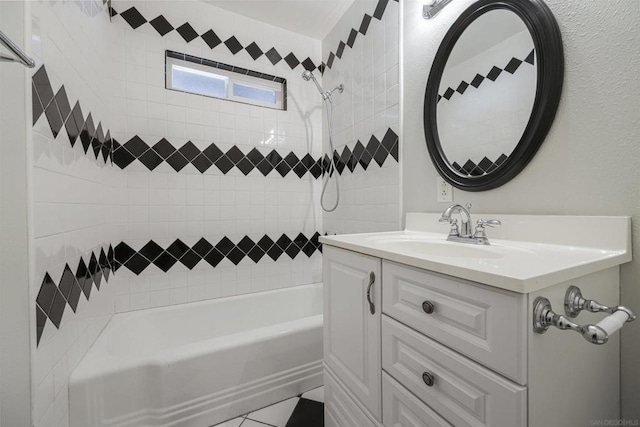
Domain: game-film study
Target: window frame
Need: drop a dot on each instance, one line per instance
(233, 75)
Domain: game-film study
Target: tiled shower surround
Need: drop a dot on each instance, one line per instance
(146, 197)
(361, 52)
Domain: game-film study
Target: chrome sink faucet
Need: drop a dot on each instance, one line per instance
(466, 233)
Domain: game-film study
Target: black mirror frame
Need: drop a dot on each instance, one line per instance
(550, 74)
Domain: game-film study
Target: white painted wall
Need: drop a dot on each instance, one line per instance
(590, 162)
(16, 306)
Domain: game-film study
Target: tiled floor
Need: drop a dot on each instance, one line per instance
(303, 411)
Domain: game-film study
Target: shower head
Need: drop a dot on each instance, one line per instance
(308, 75)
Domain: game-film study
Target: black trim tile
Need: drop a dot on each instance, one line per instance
(254, 50)
(291, 60)
(380, 8)
(187, 32)
(36, 105)
(352, 37)
(364, 25)
(340, 49)
(211, 39)
(41, 320)
(42, 86)
(161, 25)
(233, 45)
(133, 17)
(46, 294)
(273, 55)
(308, 64)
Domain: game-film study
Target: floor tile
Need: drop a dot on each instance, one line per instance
(276, 415)
(252, 423)
(231, 423)
(316, 394)
(308, 413)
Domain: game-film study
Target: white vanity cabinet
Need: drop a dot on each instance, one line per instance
(439, 350)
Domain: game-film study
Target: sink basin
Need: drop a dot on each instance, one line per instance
(422, 245)
(441, 249)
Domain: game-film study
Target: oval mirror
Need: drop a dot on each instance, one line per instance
(493, 92)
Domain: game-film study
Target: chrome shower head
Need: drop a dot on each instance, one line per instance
(308, 75)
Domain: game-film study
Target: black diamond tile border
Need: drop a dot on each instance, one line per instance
(493, 74)
(212, 156)
(134, 18)
(53, 298)
(59, 114)
(99, 145)
(354, 33)
(212, 254)
(363, 153)
(483, 167)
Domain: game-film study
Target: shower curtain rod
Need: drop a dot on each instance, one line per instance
(20, 55)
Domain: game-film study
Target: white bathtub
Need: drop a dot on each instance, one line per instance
(201, 363)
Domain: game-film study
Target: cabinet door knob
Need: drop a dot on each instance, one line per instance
(428, 379)
(428, 307)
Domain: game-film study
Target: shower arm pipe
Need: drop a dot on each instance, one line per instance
(20, 56)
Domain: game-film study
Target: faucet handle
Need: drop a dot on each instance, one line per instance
(489, 223)
(453, 231)
(481, 224)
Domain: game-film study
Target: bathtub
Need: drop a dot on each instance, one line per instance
(200, 363)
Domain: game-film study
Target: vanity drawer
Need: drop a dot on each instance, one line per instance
(463, 392)
(403, 409)
(485, 324)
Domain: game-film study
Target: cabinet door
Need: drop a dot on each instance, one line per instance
(351, 331)
(340, 410)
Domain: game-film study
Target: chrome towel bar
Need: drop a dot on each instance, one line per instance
(20, 56)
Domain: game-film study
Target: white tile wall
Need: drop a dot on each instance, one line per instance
(164, 205)
(71, 194)
(369, 200)
(117, 73)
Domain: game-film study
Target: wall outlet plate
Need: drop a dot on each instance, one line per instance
(444, 190)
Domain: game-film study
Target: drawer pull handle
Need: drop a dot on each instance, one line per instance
(372, 279)
(428, 379)
(428, 307)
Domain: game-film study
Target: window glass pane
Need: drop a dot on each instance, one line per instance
(197, 81)
(255, 93)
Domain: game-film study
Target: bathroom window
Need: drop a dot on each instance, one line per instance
(186, 73)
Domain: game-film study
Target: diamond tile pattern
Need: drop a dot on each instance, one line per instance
(210, 252)
(213, 156)
(135, 19)
(512, 66)
(350, 40)
(59, 115)
(53, 298)
(484, 166)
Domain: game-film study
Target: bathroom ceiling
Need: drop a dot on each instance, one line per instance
(312, 18)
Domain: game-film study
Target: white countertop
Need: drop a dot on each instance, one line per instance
(526, 254)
